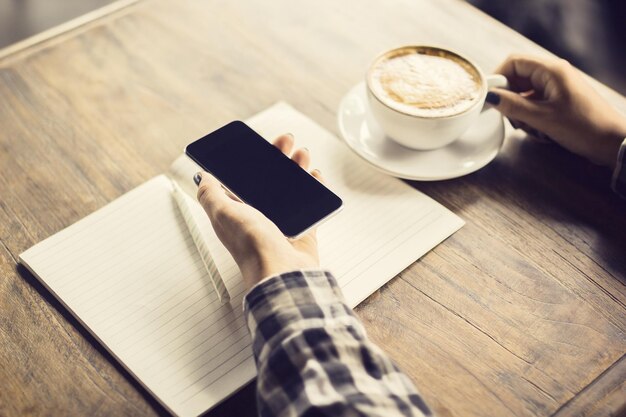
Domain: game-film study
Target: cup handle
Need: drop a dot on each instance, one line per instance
(497, 81)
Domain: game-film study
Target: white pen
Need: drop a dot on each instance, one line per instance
(201, 245)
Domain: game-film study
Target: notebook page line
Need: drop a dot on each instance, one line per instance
(206, 359)
(389, 250)
(179, 307)
(356, 252)
(243, 353)
(126, 279)
(216, 313)
(196, 267)
(137, 233)
(161, 325)
(95, 299)
(175, 300)
(123, 205)
(120, 311)
(362, 239)
(204, 389)
(176, 353)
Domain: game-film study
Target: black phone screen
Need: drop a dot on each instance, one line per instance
(263, 177)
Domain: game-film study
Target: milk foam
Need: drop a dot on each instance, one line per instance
(427, 85)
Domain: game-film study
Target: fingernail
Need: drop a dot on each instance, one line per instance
(197, 178)
(290, 135)
(493, 98)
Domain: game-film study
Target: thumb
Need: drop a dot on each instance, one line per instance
(515, 106)
(210, 193)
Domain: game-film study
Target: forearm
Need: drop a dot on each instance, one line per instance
(313, 354)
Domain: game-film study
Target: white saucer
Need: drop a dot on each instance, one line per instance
(472, 151)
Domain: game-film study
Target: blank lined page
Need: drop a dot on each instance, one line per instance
(131, 274)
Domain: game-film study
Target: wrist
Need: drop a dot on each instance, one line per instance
(601, 143)
(270, 267)
(253, 270)
(608, 147)
(257, 268)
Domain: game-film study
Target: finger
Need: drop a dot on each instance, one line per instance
(302, 157)
(526, 72)
(285, 143)
(521, 65)
(210, 194)
(516, 107)
(318, 175)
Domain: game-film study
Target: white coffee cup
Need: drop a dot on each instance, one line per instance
(427, 131)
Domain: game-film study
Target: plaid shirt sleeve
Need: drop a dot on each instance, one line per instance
(619, 175)
(313, 356)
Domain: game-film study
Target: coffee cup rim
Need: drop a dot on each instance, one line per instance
(483, 80)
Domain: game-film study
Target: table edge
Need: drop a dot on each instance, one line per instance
(31, 44)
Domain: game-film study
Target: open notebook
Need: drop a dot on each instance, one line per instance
(131, 274)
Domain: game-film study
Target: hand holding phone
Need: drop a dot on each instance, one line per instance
(265, 178)
(257, 245)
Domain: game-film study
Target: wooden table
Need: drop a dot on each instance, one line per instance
(521, 313)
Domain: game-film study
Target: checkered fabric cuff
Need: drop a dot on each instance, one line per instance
(619, 175)
(292, 301)
(313, 357)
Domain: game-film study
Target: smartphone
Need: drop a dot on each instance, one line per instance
(262, 176)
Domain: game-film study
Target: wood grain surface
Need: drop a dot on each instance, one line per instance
(520, 313)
